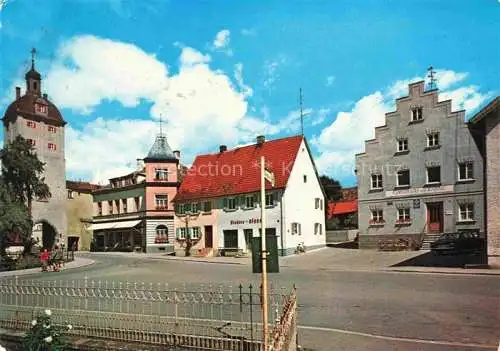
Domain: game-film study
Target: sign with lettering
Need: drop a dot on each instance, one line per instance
(245, 221)
(419, 191)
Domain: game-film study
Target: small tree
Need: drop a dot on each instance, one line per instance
(15, 222)
(351, 220)
(22, 172)
(331, 187)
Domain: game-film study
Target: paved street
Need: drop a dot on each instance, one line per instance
(342, 309)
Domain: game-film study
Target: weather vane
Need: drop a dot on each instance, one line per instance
(432, 78)
(301, 113)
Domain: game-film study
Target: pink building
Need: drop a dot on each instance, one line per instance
(134, 212)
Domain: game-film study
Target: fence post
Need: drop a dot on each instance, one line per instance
(85, 293)
(251, 313)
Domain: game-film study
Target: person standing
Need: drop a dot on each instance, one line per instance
(44, 258)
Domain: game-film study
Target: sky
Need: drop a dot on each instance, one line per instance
(222, 72)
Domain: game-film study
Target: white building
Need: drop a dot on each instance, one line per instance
(218, 202)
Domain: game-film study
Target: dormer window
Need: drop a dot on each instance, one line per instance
(416, 114)
(39, 108)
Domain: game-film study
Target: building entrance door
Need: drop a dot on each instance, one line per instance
(435, 217)
(209, 236)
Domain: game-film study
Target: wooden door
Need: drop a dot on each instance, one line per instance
(435, 217)
(208, 236)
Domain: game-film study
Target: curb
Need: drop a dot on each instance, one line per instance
(442, 272)
(196, 261)
(31, 271)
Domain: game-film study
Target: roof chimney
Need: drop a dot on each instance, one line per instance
(261, 139)
(177, 154)
(140, 165)
(222, 148)
(18, 92)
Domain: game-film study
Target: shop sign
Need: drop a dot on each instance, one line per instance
(245, 221)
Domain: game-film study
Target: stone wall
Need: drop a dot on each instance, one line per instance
(373, 241)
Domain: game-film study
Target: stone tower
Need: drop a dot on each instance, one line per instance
(38, 120)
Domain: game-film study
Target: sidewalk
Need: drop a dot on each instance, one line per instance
(445, 270)
(77, 263)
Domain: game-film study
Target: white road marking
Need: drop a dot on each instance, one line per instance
(395, 338)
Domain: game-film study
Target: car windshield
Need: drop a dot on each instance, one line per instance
(449, 236)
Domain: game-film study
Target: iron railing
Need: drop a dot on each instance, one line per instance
(197, 317)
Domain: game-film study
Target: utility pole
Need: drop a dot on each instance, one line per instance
(263, 251)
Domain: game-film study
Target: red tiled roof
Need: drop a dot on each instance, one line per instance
(83, 187)
(336, 208)
(237, 171)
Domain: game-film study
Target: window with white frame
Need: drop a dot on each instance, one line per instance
(161, 174)
(270, 199)
(181, 209)
(377, 216)
(403, 145)
(161, 201)
(466, 212)
(403, 215)
(433, 139)
(181, 233)
(376, 181)
(318, 229)
(195, 233)
(417, 114)
(296, 229)
(433, 175)
(124, 205)
(249, 201)
(403, 177)
(466, 171)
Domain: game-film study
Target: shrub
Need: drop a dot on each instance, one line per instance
(45, 336)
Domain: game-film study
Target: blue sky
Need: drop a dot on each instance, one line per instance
(221, 72)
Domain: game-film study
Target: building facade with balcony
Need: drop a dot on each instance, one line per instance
(218, 202)
(421, 175)
(135, 211)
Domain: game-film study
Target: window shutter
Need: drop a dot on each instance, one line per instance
(243, 202)
(224, 202)
(178, 233)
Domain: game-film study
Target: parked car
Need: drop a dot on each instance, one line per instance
(459, 243)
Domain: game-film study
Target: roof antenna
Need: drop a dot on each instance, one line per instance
(432, 78)
(301, 113)
(33, 54)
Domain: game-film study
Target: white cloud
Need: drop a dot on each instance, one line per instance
(221, 42)
(102, 69)
(238, 76)
(330, 80)
(270, 71)
(344, 137)
(202, 107)
(321, 116)
(107, 148)
(222, 39)
(190, 57)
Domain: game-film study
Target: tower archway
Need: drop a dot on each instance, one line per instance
(45, 234)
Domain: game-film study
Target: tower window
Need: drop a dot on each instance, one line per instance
(52, 129)
(32, 142)
(35, 86)
(416, 114)
(52, 147)
(31, 124)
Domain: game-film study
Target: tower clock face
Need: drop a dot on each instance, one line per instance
(39, 108)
